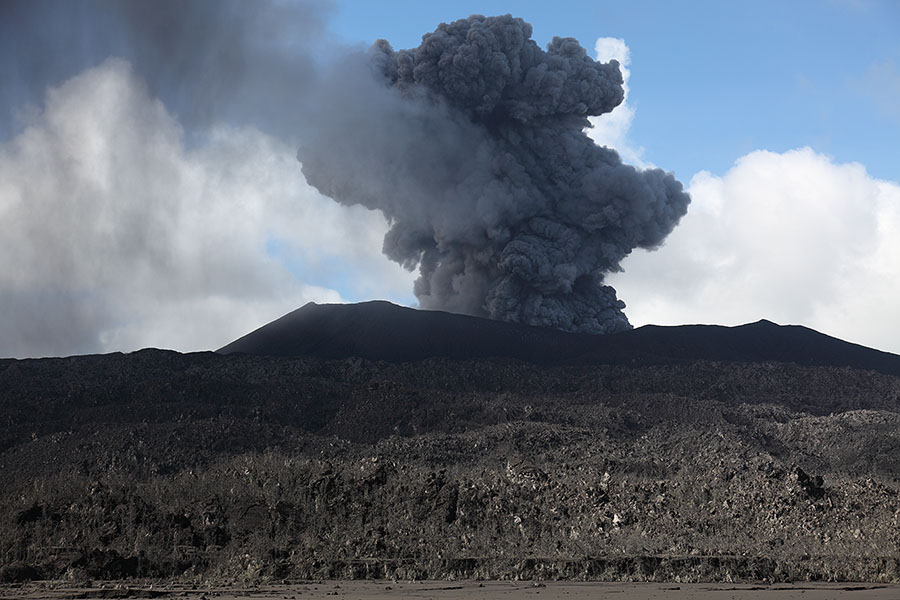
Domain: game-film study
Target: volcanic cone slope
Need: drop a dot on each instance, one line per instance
(380, 330)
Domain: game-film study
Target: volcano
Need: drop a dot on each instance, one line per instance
(380, 330)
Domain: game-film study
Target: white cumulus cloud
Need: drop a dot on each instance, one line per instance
(116, 234)
(611, 130)
(791, 237)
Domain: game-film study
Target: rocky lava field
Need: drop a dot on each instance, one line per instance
(757, 453)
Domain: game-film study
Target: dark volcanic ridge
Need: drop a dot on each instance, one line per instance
(380, 330)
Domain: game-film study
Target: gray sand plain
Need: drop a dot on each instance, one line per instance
(452, 590)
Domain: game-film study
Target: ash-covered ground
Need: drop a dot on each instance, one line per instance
(241, 468)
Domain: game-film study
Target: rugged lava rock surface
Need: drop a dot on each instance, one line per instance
(278, 467)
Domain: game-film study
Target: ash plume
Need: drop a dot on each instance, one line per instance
(473, 147)
(210, 61)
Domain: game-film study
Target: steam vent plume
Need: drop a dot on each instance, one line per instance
(473, 147)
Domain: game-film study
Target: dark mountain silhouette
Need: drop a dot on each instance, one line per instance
(383, 331)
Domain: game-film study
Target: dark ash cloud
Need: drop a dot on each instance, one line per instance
(473, 147)
(210, 61)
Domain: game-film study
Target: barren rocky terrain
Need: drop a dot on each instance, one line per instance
(254, 469)
(451, 590)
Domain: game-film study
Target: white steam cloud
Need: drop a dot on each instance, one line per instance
(792, 237)
(114, 235)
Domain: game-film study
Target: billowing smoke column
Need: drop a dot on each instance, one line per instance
(473, 147)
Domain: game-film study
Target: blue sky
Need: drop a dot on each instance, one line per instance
(150, 193)
(711, 80)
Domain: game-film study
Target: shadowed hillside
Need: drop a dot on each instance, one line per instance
(384, 331)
